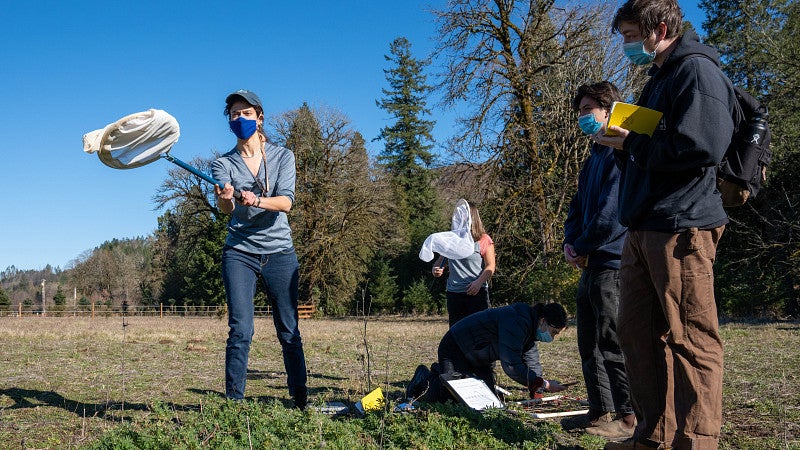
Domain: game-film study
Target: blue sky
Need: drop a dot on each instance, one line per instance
(70, 67)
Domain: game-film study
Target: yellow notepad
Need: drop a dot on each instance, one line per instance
(633, 118)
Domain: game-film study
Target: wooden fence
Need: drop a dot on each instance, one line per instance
(304, 311)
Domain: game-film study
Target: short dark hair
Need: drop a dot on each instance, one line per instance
(553, 313)
(648, 14)
(604, 93)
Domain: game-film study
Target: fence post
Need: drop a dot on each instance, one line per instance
(92, 309)
(20, 309)
(161, 310)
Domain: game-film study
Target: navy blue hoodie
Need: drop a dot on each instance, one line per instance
(592, 226)
(508, 334)
(668, 182)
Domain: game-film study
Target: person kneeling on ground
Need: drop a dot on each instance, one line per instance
(508, 334)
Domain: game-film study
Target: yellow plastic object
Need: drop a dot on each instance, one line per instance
(373, 401)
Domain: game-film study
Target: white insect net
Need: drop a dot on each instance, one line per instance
(454, 244)
(134, 140)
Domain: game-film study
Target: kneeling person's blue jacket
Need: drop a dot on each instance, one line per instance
(507, 334)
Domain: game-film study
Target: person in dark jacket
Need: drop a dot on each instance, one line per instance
(667, 319)
(593, 239)
(507, 334)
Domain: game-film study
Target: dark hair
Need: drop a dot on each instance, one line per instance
(227, 112)
(604, 93)
(648, 14)
(553, 313)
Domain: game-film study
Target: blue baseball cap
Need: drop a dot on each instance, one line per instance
(249, 97)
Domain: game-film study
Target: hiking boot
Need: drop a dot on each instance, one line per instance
(299, 397)
(585, 421)
(419, 382)
(627, 444)
(616, 429)
(301, 400)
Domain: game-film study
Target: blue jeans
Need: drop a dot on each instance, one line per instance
(279, 271)
(601, 357)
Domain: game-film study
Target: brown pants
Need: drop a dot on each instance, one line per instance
(669, 333)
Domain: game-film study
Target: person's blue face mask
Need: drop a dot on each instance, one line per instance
(243, 128)
(543, 336)
(637, 54)
(589, 124)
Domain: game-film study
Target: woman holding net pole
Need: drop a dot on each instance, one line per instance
(468, 279)
(259, 242)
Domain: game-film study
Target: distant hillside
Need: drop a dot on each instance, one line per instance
(467, 181)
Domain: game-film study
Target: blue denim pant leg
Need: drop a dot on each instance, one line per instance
(601, 357)
(239, 274)
(280, 272)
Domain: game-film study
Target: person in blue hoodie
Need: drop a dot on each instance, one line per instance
(593, 239)
(667, 320)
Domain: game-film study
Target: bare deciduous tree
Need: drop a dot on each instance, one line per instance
(516, 66)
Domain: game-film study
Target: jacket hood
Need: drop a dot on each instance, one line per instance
(688, 44)
(534, 316)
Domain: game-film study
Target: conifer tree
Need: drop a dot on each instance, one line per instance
(5, 302)
(407, 154)
(407, 158)
(758, 268)
(741, 31)
(59, 299)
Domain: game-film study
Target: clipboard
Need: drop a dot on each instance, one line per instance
(474, 393)
(634, 118)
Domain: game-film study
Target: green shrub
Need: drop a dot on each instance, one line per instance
(418, 298)
(222, 424)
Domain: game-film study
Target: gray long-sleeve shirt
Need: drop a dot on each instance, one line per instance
(255, 230)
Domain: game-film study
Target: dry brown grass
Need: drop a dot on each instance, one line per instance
(65, 380)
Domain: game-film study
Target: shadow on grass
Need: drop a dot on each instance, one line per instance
(29, 398)
(286, 401)
(205, 392)
(270, 375)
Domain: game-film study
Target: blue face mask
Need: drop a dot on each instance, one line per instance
(243, 128)
(637, 54)
(543, 336)
(589, 124)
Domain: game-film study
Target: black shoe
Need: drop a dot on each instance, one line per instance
(301, 400)
(419, 382)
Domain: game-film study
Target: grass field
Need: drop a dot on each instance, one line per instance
(66, 381)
